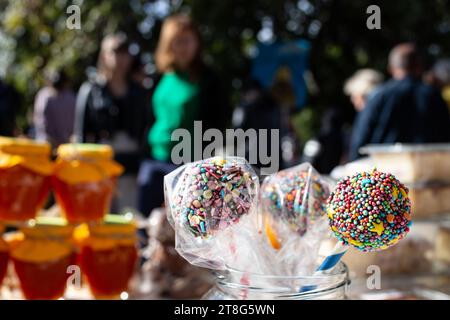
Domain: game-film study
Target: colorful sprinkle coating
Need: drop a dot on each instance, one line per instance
(295, 196)
(214, 194)
(370, 210)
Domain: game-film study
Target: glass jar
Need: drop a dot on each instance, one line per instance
(25, 171)
(108, 255)
(41, 253)
(85, 180)
(233, 284)
(4, 256)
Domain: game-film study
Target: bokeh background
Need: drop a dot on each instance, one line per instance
(34, 38)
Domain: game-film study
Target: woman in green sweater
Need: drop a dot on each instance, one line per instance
(185, 91)
(175, 105)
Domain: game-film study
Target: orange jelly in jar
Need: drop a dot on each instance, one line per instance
(25, 170)
(4, 256)
(85, 180)
(108, 255)
(41, 256)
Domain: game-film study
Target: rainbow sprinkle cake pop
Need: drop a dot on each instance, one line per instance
(214, 194)
(295, 196)
(370, 211)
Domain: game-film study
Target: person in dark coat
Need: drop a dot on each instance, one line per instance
(112, 109)
(404, 109)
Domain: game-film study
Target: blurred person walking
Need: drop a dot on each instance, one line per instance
(360, 85)
(404, 109)
(54, 110)
(111, 109)
(9, 105)
(185, 90)
(330, 147)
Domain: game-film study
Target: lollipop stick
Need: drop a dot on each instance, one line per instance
(333, 258)
(328, 263)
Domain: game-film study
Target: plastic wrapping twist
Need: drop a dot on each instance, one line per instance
(209, 204)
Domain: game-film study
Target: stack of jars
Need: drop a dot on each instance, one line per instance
(83, 179)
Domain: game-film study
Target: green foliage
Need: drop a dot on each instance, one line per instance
(41, 41)
(341, 43)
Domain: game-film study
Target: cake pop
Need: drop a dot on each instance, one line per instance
(369, 211)
(213, 194)
(295, 196)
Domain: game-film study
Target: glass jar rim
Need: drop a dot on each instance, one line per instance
(340, 270)
(286, 287)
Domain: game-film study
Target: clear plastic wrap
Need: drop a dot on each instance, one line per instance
(293, 217)
(210, 204)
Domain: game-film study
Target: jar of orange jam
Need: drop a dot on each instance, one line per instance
(85, 180)
(108, 255)
(4, 256)
(25, 170)
(41, 253)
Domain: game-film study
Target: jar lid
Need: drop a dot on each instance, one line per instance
(114, 224)
(114, 231)
(24, 147)
(111, 225)
(43, 239)
(48, 227)
(85, 162)
(85, 150)
(27, 153)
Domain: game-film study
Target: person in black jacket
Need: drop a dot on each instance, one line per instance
(403, 109)
(112, 109)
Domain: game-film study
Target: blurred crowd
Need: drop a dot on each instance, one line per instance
(113, 107)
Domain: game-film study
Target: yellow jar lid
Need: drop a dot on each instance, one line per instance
(115, 230)
(41, 251)
(111, 225)
(44, 239)
(27, 153)
(114, 224)
(85, 150)
(48, 227)
(24, 147)
(84, 163)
